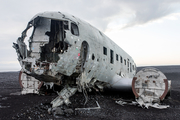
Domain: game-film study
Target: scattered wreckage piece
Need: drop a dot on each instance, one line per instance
(90, 108)
(135, 103)
(60, 111)
(123, 102)
(150, 87)
(29, 84)
(63, 96)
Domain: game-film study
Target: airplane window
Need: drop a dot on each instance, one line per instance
(66, 25)
(121, 59)
(93, 57)
(117, 57)
(74, 29)
(111, 56)
(133, 67)
(104, 50)
(128, 62)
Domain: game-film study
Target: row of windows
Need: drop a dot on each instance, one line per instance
(75, 31)
(117, 58)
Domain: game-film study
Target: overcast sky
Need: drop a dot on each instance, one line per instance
(148, 30)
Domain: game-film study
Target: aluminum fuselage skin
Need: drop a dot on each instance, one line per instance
(103, 60)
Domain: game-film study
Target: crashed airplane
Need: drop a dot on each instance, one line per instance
(70, 53)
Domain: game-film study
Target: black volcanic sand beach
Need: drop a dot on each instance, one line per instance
(33, 107)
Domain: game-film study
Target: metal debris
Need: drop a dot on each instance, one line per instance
(150, 87)
(29, 84)
(63, 97)
(124, 102)
(159, 106)
(91, 108)
(147, 105)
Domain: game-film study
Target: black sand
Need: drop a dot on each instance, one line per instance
(35, 106)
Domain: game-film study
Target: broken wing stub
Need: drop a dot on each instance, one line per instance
(150, 87)
(63, 96)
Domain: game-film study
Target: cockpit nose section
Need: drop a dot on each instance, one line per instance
(48, 40)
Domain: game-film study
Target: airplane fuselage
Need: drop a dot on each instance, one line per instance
(69, 53)
(65, 48)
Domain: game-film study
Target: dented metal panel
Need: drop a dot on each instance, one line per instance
(149, 86)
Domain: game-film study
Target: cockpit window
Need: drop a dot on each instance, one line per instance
(66, 25)
(74, 29)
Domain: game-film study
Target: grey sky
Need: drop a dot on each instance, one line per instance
(100, 13)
